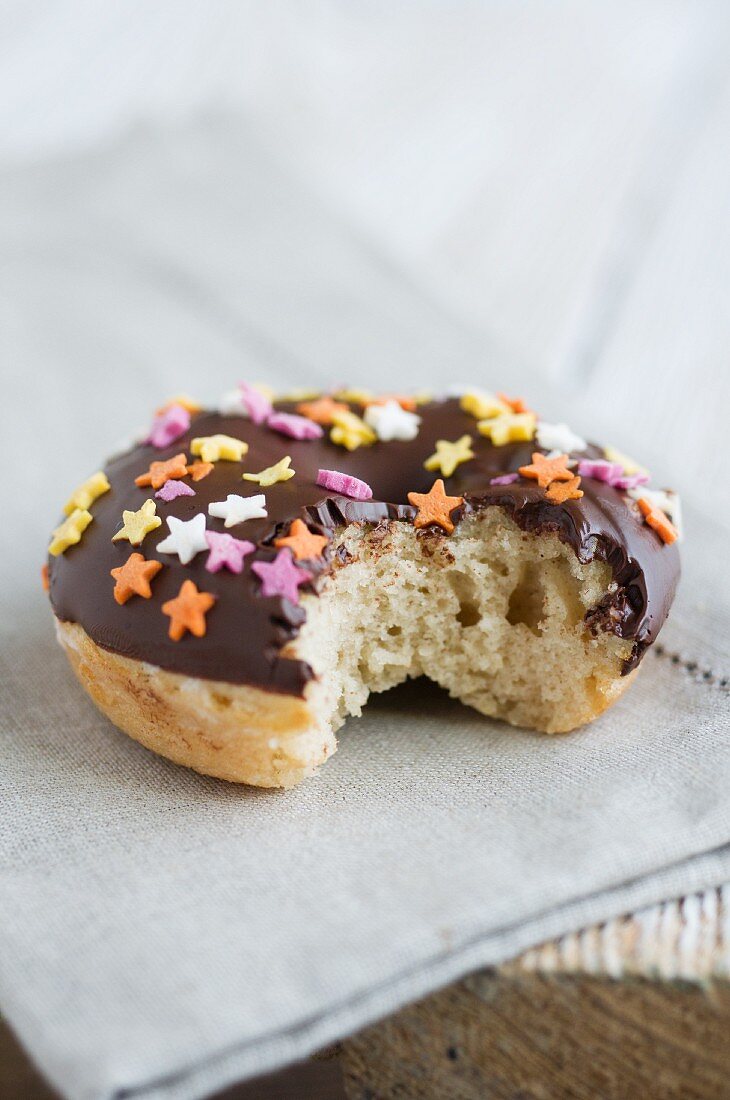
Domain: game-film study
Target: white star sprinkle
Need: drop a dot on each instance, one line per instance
(236, 509)
(186, 538)
(666, 500)
(390, 421)
(231, 404)
(558, 437)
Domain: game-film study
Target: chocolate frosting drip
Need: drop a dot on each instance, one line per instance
(245, 631)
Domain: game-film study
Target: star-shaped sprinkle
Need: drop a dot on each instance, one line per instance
(560, 491)
(545, 470)
(133, 578)
(281, 471)
(658, 520)
(137, 525)
(508, 428)
(281, 577)
(302, 542)
(296, 427)
(199, 470)
(231, 403)
(346, 484)
(435, 507)
(168, 426)
(171, 490)
(665, 500)
(226, 552)
(449, 455)
(558, 437)
(188, 610)
(236, 509)
(186, 538)
(45, 577)
(70, 531)
(351, 431)
(184, 400)
(357, 397)
(160, 472)
(628, 464)
(391, 421)
(504, 479)
(600, 470)
(257, 404)
(482, 405)
(516, 404)
(214, 448)
(322, 410)
(87, 493)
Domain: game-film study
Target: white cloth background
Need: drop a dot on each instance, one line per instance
(307, 193)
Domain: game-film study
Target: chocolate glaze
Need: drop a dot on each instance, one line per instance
(246, 632)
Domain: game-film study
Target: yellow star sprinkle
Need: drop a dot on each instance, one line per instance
(138, 524)
(213, 448)
(86, 494)
(70, 531)
(272, 474)
(449, 455)
(483, 405)
(630, 467)
(510, 428)
(357, 397)
(351, 431)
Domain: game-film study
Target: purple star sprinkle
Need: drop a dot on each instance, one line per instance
(174, 488)
(296, 427)
(169, 426)
(257, 406)
(504, 479)
(600, 469)
(631, 481)
(344, 483)
(281, 577)
(225, 551)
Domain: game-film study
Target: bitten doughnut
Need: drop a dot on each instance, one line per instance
(232, 587)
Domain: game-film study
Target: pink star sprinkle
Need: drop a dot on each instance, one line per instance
(257, 406)
(281, 577)
(225, 551)
(345, 484)
(168, 426)
(174, 488)
(600, 469)
(505, 479)
(296, 427)
(631, 481)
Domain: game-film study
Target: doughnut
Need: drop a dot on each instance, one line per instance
(233, 586)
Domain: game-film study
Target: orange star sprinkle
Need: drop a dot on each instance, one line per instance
(435, 507)
(188, 403)
(560, 491)
(302, 542)
(659, 521)
(405, 400)
(545, 470)
(323, 410)
(199, 470)
(188, 610)
(133, 578)
(45, 579)
(516, 404)
(160, 472)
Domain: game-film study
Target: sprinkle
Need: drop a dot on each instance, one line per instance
(87, 493)
(302, 542)
(133, 578)
(665, 500)
(322, 410)
(184, 400)
(631, 481)
(188, 610)
(171, 490)
(600, 470)
(199, 470)
(296, 427)
(346, 484)
(45, 579)
(281, 577)
(213, 448)
(516, 404)
(483, 405)
(628, 464)
(186, 538)
(435, 507)
(237, 509)
(405, 400)
(504, 479)
(256, 404)
(351, 431)
(508, 428)
(281, 471)
(137, 525)
(232, 404)
(160, 472)
(450, 455)
(357, 397)
(168, 426)
(70, 531)
(391, 421)
(226, 551)
(300, 393)
(560, 491)
(546, 470)
(657, 519)
(558, 437)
